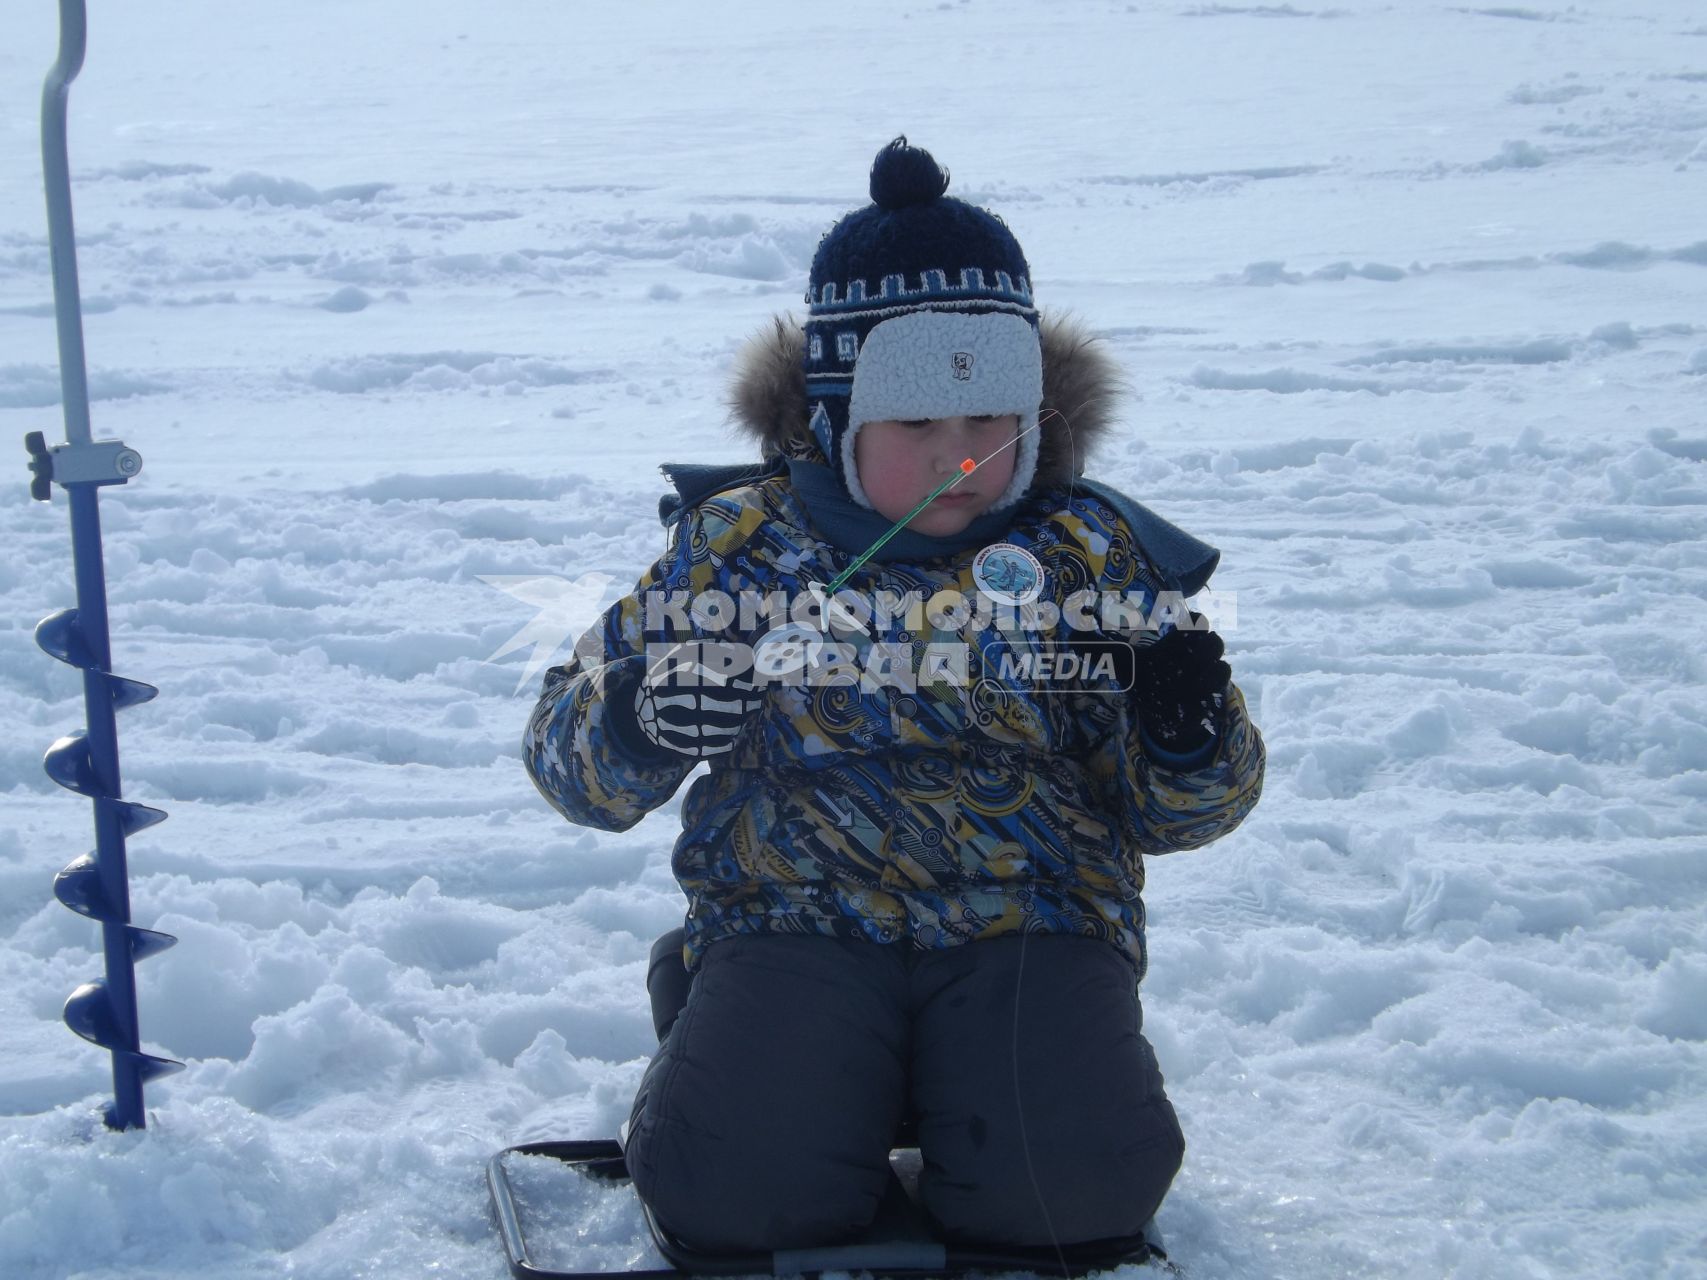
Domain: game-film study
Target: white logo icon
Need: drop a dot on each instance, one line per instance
(567, 608)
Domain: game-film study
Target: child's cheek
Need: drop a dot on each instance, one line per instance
(892, 476)
(889, 480)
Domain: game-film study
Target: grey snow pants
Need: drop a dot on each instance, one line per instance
(766, 1119)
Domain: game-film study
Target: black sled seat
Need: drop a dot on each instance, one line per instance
(898, 1243)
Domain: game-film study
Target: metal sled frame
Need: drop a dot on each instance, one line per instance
(898, 1244)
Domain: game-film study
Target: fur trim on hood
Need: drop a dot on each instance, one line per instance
(1080, 385)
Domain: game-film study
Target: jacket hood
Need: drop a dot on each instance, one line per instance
(1080, 388)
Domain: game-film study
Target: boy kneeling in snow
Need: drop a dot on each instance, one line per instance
(914, 868)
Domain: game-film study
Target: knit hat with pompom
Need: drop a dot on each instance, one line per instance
(919, 307)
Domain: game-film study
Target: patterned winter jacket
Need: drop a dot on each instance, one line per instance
(973, 800)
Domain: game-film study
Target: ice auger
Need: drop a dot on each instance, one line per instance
(87, 762)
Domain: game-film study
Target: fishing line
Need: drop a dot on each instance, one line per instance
(1019, 979)
(1019, 1110)
(1072, 447)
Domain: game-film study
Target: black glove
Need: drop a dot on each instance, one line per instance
(695, 699)
(1179, 688)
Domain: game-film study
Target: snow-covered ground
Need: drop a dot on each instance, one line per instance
(394, 297)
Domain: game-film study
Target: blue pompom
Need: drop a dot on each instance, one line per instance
(902, 176)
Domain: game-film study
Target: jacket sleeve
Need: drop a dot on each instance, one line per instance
(580, 747)
(1166, 802)
(1173, 806)
(1163, 803)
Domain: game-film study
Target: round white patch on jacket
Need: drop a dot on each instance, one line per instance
(1008, 574)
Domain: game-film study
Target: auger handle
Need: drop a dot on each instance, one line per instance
(61, 229)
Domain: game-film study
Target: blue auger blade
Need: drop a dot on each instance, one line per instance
(135, 817)
(148, 942)
(148, 1067)
(89, 1012)
(67, 762)
(129, 693)
(79, 887)
(59, 635)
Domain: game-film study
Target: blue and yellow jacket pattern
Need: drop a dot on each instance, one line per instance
(937, 814)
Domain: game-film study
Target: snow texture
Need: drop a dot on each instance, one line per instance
(396, 298)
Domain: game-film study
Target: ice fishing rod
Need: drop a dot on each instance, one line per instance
(95, 885)
(967, 467)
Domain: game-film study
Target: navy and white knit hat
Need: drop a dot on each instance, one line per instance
(919, 307)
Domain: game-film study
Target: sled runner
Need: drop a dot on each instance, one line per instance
(898, 1243)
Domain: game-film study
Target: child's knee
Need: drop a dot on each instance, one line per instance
(1098, 1182)
(751, 1195)
(763, 1121)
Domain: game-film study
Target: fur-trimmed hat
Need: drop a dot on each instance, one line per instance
(919, 306)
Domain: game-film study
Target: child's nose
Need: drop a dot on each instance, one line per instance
(953, 443)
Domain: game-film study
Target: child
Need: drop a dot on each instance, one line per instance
(913, 870)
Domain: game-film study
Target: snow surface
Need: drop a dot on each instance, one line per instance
(394, 297)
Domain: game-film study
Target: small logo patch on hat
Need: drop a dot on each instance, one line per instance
(962, 364)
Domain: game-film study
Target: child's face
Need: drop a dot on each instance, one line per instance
(901, 462)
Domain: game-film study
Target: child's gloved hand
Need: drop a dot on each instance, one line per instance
(1179, 687)
(694, 700)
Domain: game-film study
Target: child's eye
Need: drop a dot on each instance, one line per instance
(977, 419)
